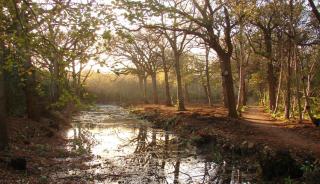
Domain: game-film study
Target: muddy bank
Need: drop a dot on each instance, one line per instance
(280, 163)
(36, 149)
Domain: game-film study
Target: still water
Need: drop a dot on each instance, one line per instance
(128, 150)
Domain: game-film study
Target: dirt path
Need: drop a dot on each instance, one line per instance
(297, 137)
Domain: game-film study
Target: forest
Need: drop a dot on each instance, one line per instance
(159, 91)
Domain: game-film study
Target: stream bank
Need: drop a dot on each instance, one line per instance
(35, 147)
(277, 164)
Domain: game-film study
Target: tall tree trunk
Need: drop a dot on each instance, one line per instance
(306, 91)
(279, 88)
(166, 83)
(270, 72)
(154, 88)
(288, 87)
(140, 78)
(228, 82)
(3, 124)
(204, 85)
(180, 98)
(224, 92)
(280, 77)
(145, 97)
(208, 86)
(271, 86)
(241, 91)
(297, 76)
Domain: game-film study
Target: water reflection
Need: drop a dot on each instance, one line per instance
(130, 151)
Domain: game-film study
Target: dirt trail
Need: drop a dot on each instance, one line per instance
(297, 137)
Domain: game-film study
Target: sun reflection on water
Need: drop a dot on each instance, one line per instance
(128, 150)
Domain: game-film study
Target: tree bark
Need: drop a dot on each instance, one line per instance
(208, 86)
(279, 88)
(288, 87)
(270, 72)
(167, 88)
(241, 90)
(307, 103)
(297, 76)
(180, 98)
(271, 86)
(154, 88)
(306, 91)
(228, 82)
(4, 142)
(140, 78)
(280, 76)
(166, 81)
(145, 97)
(224, 92)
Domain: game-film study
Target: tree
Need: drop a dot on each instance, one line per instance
(266, 20)
(163, 46)
(208, 86)
(124, 50)
(3, 124)
(142, 50)
(23, 43)
(146, 48)
(208, 20)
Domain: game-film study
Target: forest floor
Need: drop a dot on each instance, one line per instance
(255, 125)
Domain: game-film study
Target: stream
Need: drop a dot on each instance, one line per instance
(126, 149)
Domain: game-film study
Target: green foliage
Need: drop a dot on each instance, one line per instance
(66, 99)
(171, 122)
(216, 155)
(307, 167)
(288, 180)
(44, 179)
(243, 108)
